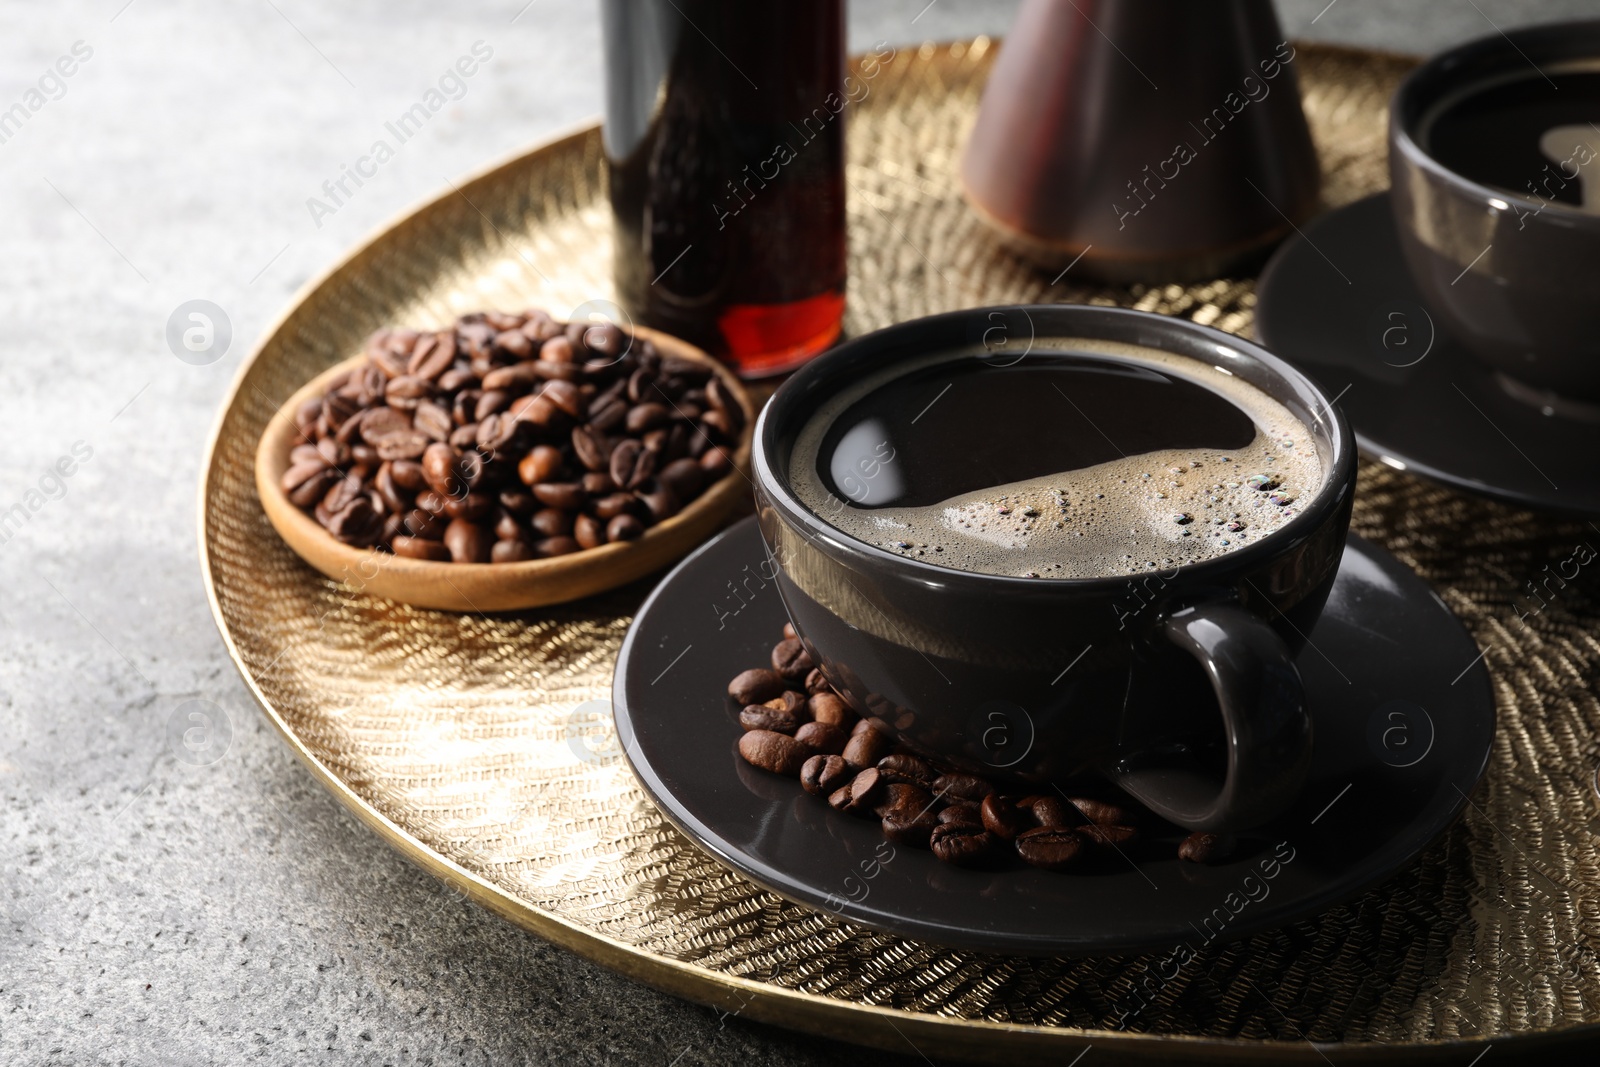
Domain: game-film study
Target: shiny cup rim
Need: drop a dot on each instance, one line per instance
(1323, 506)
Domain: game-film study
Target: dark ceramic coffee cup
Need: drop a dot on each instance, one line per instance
(1509, 264)
(1181, 689)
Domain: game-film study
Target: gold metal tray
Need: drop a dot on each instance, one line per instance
(476, 745)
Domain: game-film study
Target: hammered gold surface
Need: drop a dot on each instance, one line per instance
(465, 741)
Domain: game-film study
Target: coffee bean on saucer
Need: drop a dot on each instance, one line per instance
(778, 720)
(908, 769)
(1002, 817)
(901, 799)
(816, 682)
(1202, 847)
(1048, 811)
(790, 659)
(867, 745)
(962, 811)
(756, 686)
(963, 844)
(828, 708)
(1051, 848)
(962, 786)
(822, 736)
(839, 799)
(822, 774)
(791, 701)
(1098, 811)
(775, 752)
(1109, 837)
(866, 789)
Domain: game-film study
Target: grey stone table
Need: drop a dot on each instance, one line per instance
(153, 911)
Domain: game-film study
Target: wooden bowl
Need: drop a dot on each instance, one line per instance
(484, 587)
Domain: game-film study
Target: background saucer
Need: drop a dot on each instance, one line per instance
(1337, 302)
(1398, 695)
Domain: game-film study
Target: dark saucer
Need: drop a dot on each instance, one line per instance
(1398, 694)
(1338, 303)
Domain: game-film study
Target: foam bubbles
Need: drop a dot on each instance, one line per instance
(1152, 511)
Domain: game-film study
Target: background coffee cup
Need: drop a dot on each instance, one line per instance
(1044, 678)
(1510, 273)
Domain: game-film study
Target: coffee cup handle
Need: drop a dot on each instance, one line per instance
(1267, 729)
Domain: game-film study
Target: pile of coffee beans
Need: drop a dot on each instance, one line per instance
(797, 725)
(509, 437)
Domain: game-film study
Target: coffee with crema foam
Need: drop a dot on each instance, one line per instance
(1088, 459)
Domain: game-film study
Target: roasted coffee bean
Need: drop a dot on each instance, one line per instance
(551, 522)
(909, 769)
(474, 507)
(659, 502)
(757, 686)
(515, 550)
(539, 465)
(556, 350)
(866, 789)
(421, 524)
(817, 682)
(463, 437)
(605, 339)
(356, 523)
(962, 844)
(514, 343)
(454, 378)
(762, 717)
(609, 507)
(598, 483)
(631, 463)
(383, 483)
(962, 786)
(824, 737)
(589, 531)
(839, 799)
(466, 541)
(490, 402)
(904, 799)
(823, 774)
(433, 420)
(568, 496)
(775, 752)
(866, 746)
(624, 528)
(715, 463)
(1002, 817)
(565, 395)
(1098, 811)
(441, 467)
(962, 811)
(609, 414)
(418, 548)
(432, 355)
(518, 502)
(683, 476)
(1202, 847)
(828, 707)
(308, 483)
(1110, 837)
(910, 828)
(506, 526)
(1051, 848)
(720, 423)
(591, 448)
(1048, 811)
(555, 546)
(790, 659)
(789, 700)
(404, 392)
(643, 418)
(431, 502)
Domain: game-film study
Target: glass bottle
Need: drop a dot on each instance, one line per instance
(724, 137)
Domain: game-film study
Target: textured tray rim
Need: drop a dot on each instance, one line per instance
(890, 1029)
